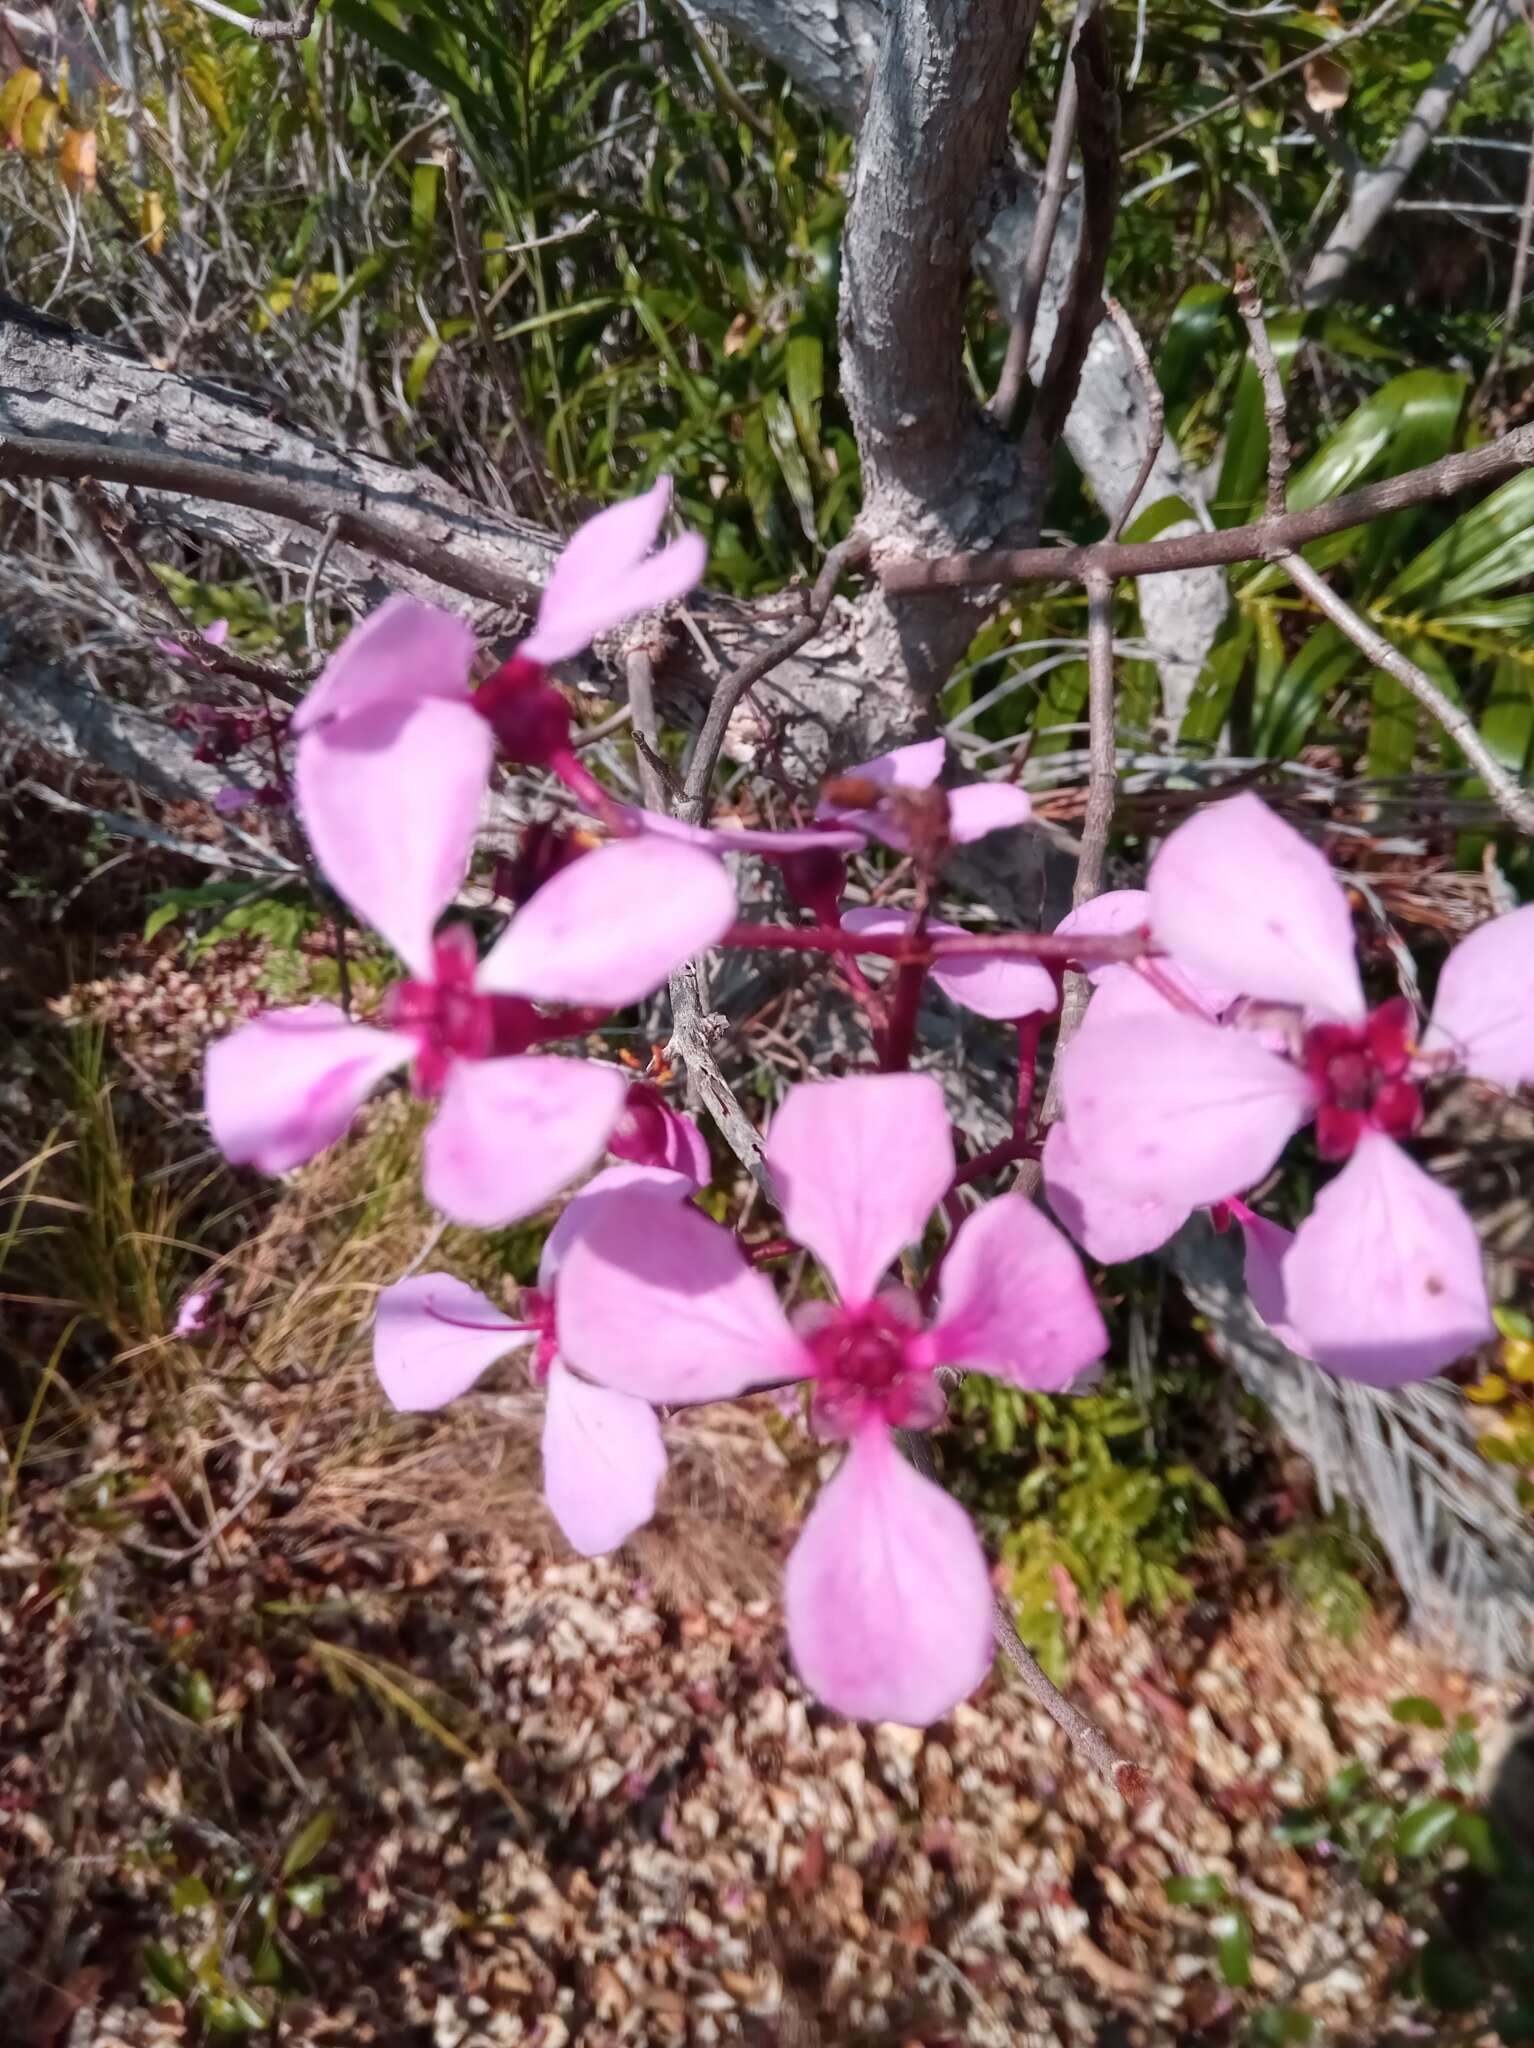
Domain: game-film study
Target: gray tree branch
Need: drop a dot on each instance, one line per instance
(1375, 192)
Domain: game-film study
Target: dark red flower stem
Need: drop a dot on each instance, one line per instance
(1007, 1153)
(1028, 1032)
(1049, 947)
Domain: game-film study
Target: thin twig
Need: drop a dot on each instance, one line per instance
(1260, 539)
(847, 554)
(1275, 410)
(1155, 410)
(1506, 791)
(312, 585)
(1062, 137)
(691, 1044)
(1082, 311)
(1085, 1736)
(122, 826)
(468, 273)
(1517, 281)
(640, 672)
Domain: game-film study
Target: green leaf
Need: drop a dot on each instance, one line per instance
(1485, 549)
(166, 1969)
(1416, 1711)
(1462, 1759)
(188, 1894)
(1474, 1833)
(421, 367)
(1449, 1980)
(1207, 1889)
(1422, 1828)
(158, 918)
(1232, 1933)
(368, 272)
(308, 1843)
(310, 1894)
(425, 186)
(805, 363)
(1347, 1783)
(1155, 519)
(1200, 319)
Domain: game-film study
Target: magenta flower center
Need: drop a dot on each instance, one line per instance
(449, 1020)
(870, 1362)
(1362, 1074)
(538, 1308)
(529, 718)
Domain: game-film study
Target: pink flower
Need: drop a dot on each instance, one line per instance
(192, 1316)
(603, 1457)
(409, 656)
(651, 1133)
(882, 799)
(512, 1127)
(888, 1597)
(1383, 1282)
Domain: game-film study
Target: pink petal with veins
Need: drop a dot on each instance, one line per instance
(286, 1085)
(859, 1165)
(886, 1593)
(1239, 897)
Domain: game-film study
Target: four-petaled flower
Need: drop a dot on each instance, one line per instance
(888, 1597)
(603, 1456)
(512, 1127)
(1192, 1100)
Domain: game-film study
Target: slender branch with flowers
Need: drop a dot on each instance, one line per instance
(1221, 1010)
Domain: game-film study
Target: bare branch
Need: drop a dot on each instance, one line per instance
(1262, 539)
(847, 554)
(1275, 411)
(1092, 60)
(1062, 139)
(640, 672)
(1511, 798)
(693, 1034)
(1377, 191)
(1155, 411)
(262, 27)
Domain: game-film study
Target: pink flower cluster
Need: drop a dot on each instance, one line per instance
(1234, 1015)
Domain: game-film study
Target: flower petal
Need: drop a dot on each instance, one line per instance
(510, 1133)
(1178, 1109)
(433, 1336)
(567, 1224)
(390, 799)
(603, 1462)
(1111, 914)
(991, 984)
(860, 1164)
(1484, 1009)
(606, 575)
(610, 928)
(1014, 1301)
(1110, 1225)
(1384, 1280)
(1237, 895)
(401, 653)
(886, 1593)
(1267, 1246)
(286, 1085)
(975, 808)
(657, 1301)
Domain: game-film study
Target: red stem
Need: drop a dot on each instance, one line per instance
(1007, 1153)
(1096, 950)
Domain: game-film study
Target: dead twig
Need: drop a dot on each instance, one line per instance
(1260, 539)
(1062, 137)
(263, 28)
(1507, 792)
(847, 554)
(1275, 410)
(1155, 411)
